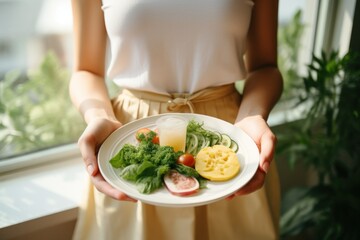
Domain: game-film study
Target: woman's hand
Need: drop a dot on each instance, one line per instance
(257, 128)
(89, 142)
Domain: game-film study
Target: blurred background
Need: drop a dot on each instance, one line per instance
(316, 121)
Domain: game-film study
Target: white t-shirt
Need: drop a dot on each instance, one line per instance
(167, 46)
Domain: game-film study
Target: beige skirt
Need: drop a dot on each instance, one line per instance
(254, 216)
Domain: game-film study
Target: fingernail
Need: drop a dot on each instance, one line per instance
(90, 169)
(265, 167)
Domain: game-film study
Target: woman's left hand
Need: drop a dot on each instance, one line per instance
(257, 128)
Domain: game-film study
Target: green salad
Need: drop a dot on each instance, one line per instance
(146, 163)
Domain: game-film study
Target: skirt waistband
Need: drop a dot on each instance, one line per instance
(177, 100)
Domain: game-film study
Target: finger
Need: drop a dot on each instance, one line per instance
(87, 146)
(254, 184)
(102, 186)
(268, 142)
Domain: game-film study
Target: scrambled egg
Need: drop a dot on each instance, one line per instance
(217, 163)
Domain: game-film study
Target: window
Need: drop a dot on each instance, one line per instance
(290, 31)
(35, 58)
(36, 52)
(307, 28)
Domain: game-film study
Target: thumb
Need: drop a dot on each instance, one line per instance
(87, 145)
(268, 142)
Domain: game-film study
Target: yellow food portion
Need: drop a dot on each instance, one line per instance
(217, 163)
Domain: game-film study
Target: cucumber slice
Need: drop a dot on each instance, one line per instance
(216, 138)
(234, 146)
(225, 140)
(192, 143)
(203, 142)
(206, 143)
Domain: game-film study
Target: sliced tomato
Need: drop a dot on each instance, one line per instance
(156, 139)
(186, 159)
(146, 131)
(181, 185)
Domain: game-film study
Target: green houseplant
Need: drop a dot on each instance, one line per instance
(289, 37)
(327, 142)
(35, 109)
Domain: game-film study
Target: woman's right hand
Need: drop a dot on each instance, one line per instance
(89, 143)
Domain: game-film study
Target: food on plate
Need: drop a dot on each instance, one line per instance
(198, 138)
(179, 184)
(187, 159)
(217, 163)
(150, 165)
(147, 163)
(147, 133)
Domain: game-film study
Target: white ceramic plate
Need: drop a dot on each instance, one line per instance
(248, 156)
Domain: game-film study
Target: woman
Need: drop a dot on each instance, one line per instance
(168, 56)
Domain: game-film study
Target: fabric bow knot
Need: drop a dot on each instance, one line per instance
(178, 102)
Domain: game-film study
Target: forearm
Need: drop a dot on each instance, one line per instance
(89, 94)
(263, 88)
(87, 86)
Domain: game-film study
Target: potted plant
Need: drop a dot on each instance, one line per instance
(326, 141)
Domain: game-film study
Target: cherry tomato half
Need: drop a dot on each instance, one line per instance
(156, 139)
(146, 131)
(187, 159)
